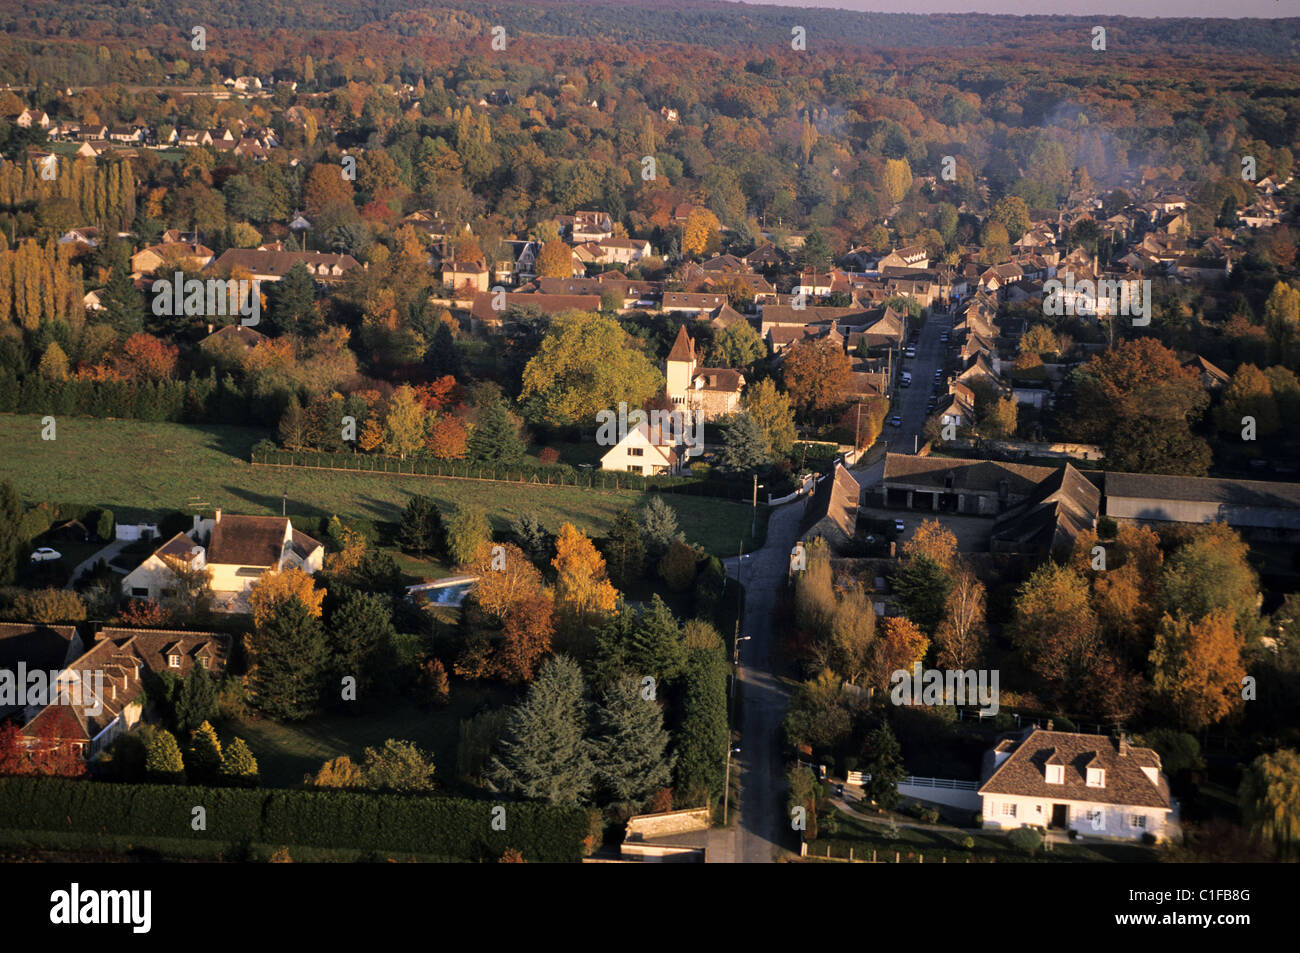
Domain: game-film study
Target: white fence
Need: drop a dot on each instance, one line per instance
(953, 793)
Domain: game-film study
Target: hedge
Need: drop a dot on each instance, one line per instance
(454, 828)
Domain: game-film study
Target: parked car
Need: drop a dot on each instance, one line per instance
(943, 338)
(895, 421)
(910, 352)
(905, 381)
(45, 554)
(898, 526)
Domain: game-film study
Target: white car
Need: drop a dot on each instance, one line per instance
(45, 554)
(898, 526)
(910, 352)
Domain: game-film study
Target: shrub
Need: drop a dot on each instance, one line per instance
(548, 456)
(1026, 839)
(968, 842)
(1148, 838)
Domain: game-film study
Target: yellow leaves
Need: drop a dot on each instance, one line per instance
(581, 585)
(702, 228)
(274, 589)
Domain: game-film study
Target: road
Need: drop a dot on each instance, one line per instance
(764, 829)
(910, 402)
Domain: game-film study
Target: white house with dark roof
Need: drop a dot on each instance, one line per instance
(1060, 780)
(239, 549)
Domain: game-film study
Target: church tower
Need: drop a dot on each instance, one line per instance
(680, 369)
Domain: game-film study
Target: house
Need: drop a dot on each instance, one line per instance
(591, 227)
(1242, 504)
(1212, 378)
(814, 284)
(86, 235)
(239, 550)
(691, 303)
(622, 251)
(183, 254)
(132, 135)
(37, 646)
(266, 265)
(459, 275)
(1061, 508)
(648, 449)
(1093, 784)
(707, 392)
(973, 487)
(32, 117)
(485, 308)
(103, 688)
(913, 256)
(831, 512)
(237, 337)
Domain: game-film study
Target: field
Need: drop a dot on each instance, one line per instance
(139, 469)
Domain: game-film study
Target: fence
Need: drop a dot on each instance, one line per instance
(828, 850)
(948, 784)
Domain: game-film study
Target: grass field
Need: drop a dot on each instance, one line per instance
(139, 469)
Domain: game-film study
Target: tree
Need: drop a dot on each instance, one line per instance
(961, 635)
(291, 303)
(659, 523)
(901, 645)
(586, 363)
(203, 754)
(852, 634)
(921, 589)
(526, 637)
(1012, 214)
(121, 303)
(1053, 626)
(678, 565)
(192, 588)
(54, 364)
(467, 533)
(337, 772)
(359, 641)
(13, 759)
(238, 766)
(744, 445)
(1197, 667)
(817, 375)
(555, 260)
(700, 234)
(162, 760)
(48, 605)
(630, 749)
(1270, 799)
(1212, 571)
(420, 530)
(738, 345)
(770, 408)
(495, 439)
(288, 656)
(398, 766)
(405, 422)
(656, 648)
(196, 699)
(583, 594)
(885, 765)
(703, 736)
(447, 439)
(1282, 320)
(274, 589)
(625, 551)
(545, 754)
(12, 538)
(897, 179)
(932, 539)
(443, 357)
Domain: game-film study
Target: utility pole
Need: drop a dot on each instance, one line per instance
(857, 429)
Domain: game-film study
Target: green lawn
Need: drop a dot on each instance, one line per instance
(138, 469)
(287, 751)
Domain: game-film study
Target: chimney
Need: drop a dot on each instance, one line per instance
(1123, 745)
(217, 517)
(196, 525)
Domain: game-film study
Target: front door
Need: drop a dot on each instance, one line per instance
(1060, 815)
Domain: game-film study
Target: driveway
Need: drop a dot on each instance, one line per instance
(764, 828)
(107, 554)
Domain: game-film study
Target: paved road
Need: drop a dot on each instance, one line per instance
(764, 829)
(106, 554)
(910, 401)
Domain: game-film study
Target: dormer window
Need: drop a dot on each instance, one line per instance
(174, 660)
(205, 661)
(1096, 778)
(1055, 774)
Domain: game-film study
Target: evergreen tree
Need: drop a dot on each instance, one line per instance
(631, 748)
(421, 529)
(360, 641)
(288, 658)
(745, 445)
(531, 536)
(12, 538)
(609, 656)
(196, 699)
(162, 759)
(203, 754)
(443, 356)
(885, 766)
(704, 734)
(121, 304)
(238, 766)
(921, 589)
(496, 439)
(659, 521)
(292, 303)
(658, 649)
(544, 754)
(625, 552)
(292, 429)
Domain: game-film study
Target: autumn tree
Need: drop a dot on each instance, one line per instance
(583, 594)
(555, 260)
(338, 772)
(1197, 667)
(273, 589)
(1270, 799)
(934, 540)
(1053, 626)
(961, 635)
(405, 423)
(700, 235)
(901, 645)
(816, 375)
(770, 408)
(525, 637)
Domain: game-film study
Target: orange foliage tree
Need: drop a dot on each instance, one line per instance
(274, 589)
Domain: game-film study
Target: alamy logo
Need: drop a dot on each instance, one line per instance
(38, 688)
(952, 687)
(1105, 296)
(208, 298)
(667, 426)
(77, 906)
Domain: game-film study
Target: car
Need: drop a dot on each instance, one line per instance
(895, 421)
(898, 526)
(943, 338)
(910, 352)
(45, 554)
(906, 381)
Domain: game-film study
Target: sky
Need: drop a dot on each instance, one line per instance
(1131, 8)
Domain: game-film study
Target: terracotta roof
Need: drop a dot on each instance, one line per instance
(1023, 773)
(683, 347)
(546, 303)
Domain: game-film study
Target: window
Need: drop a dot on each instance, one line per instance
(140, 591)
(1008, 809)
(636, 451)
(174, 660)
(205, 661)
(1096, 778)
(1055, 774)
(1137, 820)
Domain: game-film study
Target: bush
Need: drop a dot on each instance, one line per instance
(1107, 528)
(968, 842)
(1148, 838)
(548, 456)
(1026, 839)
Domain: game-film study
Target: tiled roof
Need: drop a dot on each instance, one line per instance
(248, 540)
(1023, 774)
